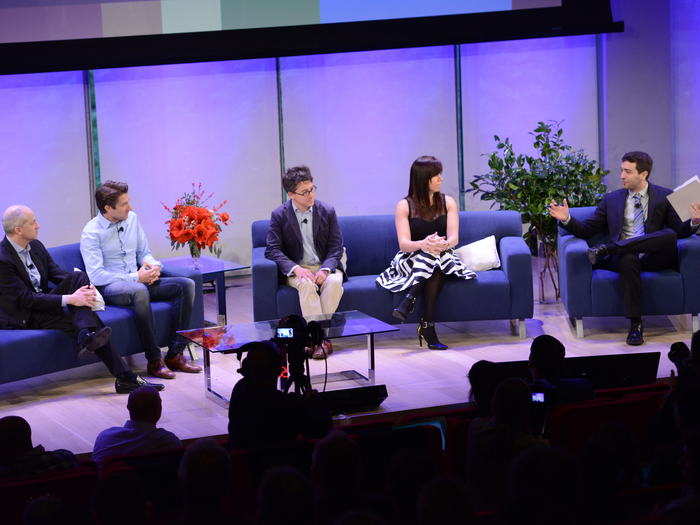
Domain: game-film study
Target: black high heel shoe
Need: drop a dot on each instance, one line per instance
(426, 330)
(405, 308)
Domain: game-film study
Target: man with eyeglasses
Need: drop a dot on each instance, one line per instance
(306, 243)
(27, 302)
(119, 262)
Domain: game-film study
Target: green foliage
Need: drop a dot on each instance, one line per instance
(528, 184)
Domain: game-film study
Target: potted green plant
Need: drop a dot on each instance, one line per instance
(528, 184)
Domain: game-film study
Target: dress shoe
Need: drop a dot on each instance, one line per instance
(156, 368)
(598, 253)
(426, 330)
(92, 340)
(124, 385)
(323, 350)
(405, 308)
(179, 364)
(635, 337)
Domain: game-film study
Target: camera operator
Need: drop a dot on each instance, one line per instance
(259, 414)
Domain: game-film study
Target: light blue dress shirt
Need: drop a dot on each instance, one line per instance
(628, 222)
(114, 251)
(29, 265)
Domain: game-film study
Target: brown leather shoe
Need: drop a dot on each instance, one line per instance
(156, 368)
(179, 364)
(323, 350)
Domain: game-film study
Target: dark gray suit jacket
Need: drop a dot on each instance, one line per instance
(284, 243)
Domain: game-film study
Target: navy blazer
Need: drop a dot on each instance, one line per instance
(17, 295)
(284, 242)
(610, 215)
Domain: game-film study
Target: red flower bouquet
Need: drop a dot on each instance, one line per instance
(191, 223)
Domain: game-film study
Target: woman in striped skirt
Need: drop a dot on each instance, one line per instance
(427, 226)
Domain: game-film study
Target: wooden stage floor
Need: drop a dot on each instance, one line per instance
(68, 409)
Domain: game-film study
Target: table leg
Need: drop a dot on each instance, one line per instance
(370, 356)
(211, 394)
(221, 298)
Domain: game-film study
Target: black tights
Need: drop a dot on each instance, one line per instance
(431, 289)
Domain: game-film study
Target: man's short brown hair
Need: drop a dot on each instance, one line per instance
(641, 159)
(108, 194)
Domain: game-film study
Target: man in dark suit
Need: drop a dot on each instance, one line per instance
(642, 227)
(28, 302)
(305, 241)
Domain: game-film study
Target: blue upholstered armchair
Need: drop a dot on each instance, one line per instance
(370, 240)
(588, 292)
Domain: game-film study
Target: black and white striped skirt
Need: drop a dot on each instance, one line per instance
(407, 269)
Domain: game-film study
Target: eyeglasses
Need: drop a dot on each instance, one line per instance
(305, 193)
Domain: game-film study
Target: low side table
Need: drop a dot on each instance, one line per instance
(213, 271)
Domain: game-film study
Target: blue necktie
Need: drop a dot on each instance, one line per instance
(638, 221)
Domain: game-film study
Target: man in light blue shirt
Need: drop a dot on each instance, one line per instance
(139, 434)
(119, 262)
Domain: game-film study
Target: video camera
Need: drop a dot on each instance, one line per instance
(293, 335)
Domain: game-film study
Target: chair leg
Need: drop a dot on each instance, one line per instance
(578, 322)
(518, 326)
(695, 323)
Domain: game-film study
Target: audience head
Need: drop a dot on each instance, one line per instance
(46, 510)
(125, 489)
(336, 466)
(20, 224)
(299, 185)
(512, 405)
(15, 438)
(262, 363)
(285, 496)
(543, 487)
(112, 199)
(444, 501)
(145, 405)
(425, 177)
(546, 357)
(409, 470)
(483, 379)
(204, 474)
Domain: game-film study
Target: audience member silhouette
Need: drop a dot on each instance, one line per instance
(546, 362)
(139, 434)
(543, 488)
(483, 377)
(19, 459)
(122, 490)
(261, 415)
(686, 509)
(204, 475)
(445, 501)
(336, 473)
(494, 441)
(285, 496)
(409, 470)
(46, 510)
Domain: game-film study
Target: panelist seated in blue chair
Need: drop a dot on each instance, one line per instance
(305, 241)
(27, 301)
(642, 227)
(119, 262)
(427, 226)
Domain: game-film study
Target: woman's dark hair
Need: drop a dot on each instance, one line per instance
(422, 170)
(642, 160)
(483, 379)
(511, 404)
(108, 194)
(294, 176)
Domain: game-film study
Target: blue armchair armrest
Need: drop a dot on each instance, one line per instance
(265, 284)
(689, 266)
(197, 318)
(516, 262)
(575, 274)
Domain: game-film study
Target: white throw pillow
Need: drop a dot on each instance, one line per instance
(480, 255)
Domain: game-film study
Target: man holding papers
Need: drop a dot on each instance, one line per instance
(642, 227)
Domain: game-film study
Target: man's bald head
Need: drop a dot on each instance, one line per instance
(16, 216)
(145, 405)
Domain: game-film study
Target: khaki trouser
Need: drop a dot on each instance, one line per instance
(315, 300)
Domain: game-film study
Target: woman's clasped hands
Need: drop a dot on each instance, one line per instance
(435, 244)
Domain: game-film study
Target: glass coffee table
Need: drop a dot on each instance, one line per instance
(229, 339)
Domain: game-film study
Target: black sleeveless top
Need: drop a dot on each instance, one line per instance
(422, 226)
